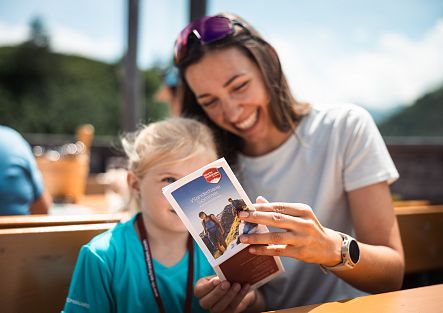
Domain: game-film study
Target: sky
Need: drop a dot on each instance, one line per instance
(378, 54)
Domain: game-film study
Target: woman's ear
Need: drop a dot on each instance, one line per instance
(133, 182)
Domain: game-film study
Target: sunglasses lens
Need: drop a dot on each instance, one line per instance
(208, 28)
(214, 28)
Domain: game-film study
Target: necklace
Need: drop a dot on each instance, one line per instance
(151, 270)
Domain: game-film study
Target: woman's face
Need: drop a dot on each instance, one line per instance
(231, 90)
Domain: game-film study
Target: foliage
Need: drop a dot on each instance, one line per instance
(423, 118)
(45, 92)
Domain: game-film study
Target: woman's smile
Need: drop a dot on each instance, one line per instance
(248, 122)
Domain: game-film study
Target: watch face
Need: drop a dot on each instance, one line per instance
(354, 251)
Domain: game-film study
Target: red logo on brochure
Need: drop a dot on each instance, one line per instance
(212, 175)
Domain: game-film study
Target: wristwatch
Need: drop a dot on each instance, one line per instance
(350, 254)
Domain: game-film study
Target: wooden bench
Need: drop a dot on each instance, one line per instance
(41, 220)
(421, 229)
(36, 265)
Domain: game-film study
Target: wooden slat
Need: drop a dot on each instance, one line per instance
(19, 221)
(36, 265)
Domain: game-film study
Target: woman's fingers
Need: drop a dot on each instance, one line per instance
(277, 238)
(277, 250)
(274, 219)
(293, 209)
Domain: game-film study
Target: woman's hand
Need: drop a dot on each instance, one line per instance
(217, 296)
(302, 238)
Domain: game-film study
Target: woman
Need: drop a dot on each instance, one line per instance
(329, 168)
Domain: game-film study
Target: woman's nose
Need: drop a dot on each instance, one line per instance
(232, 110)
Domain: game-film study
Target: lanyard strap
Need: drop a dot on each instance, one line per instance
(151, 270)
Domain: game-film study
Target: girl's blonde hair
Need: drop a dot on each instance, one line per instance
(171, 140)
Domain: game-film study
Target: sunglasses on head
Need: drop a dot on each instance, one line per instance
(206, 29)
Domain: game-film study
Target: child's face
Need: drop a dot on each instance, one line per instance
(155, 207)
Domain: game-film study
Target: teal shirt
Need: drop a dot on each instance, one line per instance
(111, 276)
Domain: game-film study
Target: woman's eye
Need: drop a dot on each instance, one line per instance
(169, 180)
(241, 86)
(208, 103)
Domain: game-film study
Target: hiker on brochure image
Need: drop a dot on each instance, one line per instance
(320, 174)
(214, 231)
(239, 205)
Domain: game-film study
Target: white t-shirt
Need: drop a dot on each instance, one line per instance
(338, 149)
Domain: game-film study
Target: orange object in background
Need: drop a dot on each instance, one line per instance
(65, 171)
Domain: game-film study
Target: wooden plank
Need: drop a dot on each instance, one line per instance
(36, 265)
(41, 220)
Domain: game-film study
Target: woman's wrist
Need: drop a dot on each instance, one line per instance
(335, 251)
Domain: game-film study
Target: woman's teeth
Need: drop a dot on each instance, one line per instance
(247, 122)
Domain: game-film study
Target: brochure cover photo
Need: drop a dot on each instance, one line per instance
(208, 202)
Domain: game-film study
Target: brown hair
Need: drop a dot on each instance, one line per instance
(286, 111)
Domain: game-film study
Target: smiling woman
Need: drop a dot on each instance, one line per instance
(331, 159)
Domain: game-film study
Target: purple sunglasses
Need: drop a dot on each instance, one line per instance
(206, 29)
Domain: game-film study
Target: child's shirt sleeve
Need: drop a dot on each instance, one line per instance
(90, 289)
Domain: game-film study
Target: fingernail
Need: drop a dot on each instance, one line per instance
(252, 250)
(243, 214)
(225, 285)
(216, 282)
(244, 239)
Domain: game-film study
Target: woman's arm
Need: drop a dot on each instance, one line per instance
(381, 262)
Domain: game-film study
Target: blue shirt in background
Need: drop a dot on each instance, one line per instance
(20, 180)
(111, 276)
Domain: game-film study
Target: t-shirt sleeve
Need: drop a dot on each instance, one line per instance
(90, 289)
(366, 158)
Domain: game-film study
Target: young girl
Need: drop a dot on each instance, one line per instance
(142, 265)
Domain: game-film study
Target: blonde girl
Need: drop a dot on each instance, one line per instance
(149, 263)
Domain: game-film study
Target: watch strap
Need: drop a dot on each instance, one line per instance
(346, 261)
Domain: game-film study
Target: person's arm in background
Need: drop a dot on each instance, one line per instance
(41, 205)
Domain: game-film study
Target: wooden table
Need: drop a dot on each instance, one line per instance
(425, 299)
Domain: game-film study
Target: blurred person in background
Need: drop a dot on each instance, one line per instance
(170, 91)
(326, 170)
(21, 184)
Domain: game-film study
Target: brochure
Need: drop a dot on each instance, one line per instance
(208, 202)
